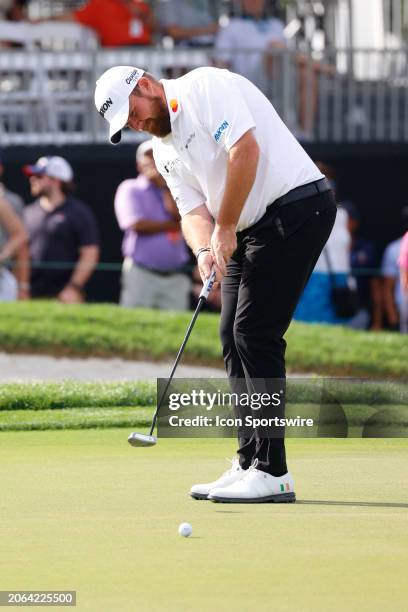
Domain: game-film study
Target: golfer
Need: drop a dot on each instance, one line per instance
(255, 206)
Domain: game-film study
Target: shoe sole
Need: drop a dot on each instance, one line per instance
(199, 496)
(281, 498)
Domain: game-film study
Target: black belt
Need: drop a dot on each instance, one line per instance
(162, 272)
(299, 193)
(302, 192)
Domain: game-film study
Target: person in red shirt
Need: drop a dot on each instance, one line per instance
(116, 22)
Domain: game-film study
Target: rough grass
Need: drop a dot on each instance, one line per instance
(107, 330)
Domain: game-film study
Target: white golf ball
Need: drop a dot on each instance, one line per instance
(185, 530)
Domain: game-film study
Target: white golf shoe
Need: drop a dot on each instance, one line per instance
(201, 491)
(256, 487)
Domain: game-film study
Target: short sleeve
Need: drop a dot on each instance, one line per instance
(185, 191)
(403, 258)
(277, 28)
(86, 227)
(16, 202)
(389, 265)
(224, 111)
(129, 208)
(183, 185)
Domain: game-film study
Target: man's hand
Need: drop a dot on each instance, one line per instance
(23, 292)
(223, 244)
(205, 263)
(70, 295)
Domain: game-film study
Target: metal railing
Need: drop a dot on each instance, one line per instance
(348, 95)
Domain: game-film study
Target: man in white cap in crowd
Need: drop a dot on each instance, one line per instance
(254, 206)
(63, 235)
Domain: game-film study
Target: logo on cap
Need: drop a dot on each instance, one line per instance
(105, 107)
(174, 105)
(131, 76)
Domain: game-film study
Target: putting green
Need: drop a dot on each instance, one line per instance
(82, 510)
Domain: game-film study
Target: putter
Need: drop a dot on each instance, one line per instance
(138, 439)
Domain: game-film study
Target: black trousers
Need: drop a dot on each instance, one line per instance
(265, 279)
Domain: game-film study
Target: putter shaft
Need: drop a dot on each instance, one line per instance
(201, 301)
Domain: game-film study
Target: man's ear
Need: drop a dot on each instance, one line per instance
(144, 85)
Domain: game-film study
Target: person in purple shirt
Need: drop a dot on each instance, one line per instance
(155, 254)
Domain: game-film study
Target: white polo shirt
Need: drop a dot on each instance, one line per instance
(210, 109)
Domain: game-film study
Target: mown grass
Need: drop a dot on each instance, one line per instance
(106, 330)
(80, 418)
(83, 510)
(391, 421)
(77, 405)
(71, 394)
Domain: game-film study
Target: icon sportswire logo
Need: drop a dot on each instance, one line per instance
(220, 130)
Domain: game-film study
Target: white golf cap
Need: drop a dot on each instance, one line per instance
(112, 93)
(54, 167)
(143, 148)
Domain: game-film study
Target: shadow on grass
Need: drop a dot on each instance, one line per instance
(318, 502)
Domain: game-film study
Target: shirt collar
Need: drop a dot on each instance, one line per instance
(172, 97)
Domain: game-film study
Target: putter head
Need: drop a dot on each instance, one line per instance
(137, 439)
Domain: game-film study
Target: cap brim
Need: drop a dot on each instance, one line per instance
(118, 123)
(32, 170)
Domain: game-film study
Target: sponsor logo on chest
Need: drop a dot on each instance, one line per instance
(189, 139)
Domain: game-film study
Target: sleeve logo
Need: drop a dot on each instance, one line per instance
(220, 130)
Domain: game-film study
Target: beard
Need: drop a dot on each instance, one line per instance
(159, 126)
(38, 191)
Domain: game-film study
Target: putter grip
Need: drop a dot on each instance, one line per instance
(205, 291)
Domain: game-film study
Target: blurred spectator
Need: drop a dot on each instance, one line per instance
(240, 45)
(188, 22)
(13, 10)
(403, 263)
(13, 237)
(21, 269)
(316, 304)
(333, 267)
(391, 276)
(62, 231)
(116, 22)
(243, 45)
(155, 254)
(363, 259)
